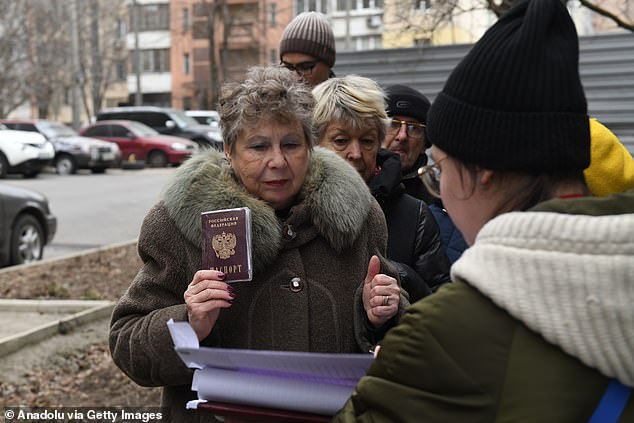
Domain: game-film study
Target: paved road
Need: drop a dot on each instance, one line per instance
(96, 210)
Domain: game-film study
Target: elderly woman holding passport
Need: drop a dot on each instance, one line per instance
(320, 282)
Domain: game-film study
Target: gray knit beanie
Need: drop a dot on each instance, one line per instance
(310, 33)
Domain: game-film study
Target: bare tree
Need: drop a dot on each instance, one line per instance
(100, 49)
(443, 13)
(13, 56)
(218, 22)
(35, 49)
(607, 9)
(214, 11)
(48, 52)
(625, 23)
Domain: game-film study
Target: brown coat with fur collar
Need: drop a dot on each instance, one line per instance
(337, 227)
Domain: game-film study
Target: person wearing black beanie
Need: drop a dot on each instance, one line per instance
(537, 325)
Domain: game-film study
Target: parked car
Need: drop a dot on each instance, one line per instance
(26, 225)
(23, 152)
(206, 117)
(167, 121)
(72, 152)
(139, 143)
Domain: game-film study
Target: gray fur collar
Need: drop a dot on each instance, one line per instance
(335, 195)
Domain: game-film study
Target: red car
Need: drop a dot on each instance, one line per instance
(141, 144)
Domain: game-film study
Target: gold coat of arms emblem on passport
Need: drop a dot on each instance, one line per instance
(226, 243)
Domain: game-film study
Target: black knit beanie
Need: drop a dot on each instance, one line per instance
(405, 101)
(309, 33)
(515, 102)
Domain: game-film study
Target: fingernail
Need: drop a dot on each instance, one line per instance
(221, 275)
(230, 288)
(232, 295)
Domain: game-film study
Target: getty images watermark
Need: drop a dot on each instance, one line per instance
(85, 414)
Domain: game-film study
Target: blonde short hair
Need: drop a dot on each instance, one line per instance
(351, 99)
(267, 92)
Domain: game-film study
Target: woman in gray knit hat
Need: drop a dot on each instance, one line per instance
(307, 47)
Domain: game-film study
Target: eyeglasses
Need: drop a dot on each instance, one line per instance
(412, 129)
(302, 68)
(430, 175)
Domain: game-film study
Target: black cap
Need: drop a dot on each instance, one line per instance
(405, 101)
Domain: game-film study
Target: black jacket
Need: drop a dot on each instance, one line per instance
(414, 241)
(413, 184)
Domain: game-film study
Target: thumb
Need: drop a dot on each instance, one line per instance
(374, 267)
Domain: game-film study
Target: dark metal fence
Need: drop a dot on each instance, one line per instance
(606, 66)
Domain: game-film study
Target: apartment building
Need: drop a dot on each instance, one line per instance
(189, 48)
(149, 44)
(243, 33)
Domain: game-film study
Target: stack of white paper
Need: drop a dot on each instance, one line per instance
(309, 382)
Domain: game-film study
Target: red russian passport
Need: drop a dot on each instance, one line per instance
(226, 243)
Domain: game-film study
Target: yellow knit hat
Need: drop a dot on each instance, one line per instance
(611, 167)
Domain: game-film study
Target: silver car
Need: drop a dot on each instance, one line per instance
(72, 151)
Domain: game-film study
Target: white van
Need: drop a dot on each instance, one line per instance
(206, 117)
(24, 152)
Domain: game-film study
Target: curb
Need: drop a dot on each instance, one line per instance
(85, 312)
(52, 261)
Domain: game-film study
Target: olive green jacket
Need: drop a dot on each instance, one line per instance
(538, 321)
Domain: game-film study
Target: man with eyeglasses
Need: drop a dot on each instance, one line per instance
(407, 136)
(307, 47)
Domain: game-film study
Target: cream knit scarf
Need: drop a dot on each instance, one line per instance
(568, 277)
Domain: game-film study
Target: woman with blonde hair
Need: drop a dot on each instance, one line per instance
(350, 119)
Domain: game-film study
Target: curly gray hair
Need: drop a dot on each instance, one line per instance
(352, 99)
(267, 92)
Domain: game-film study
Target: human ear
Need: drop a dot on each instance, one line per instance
(485, 176)
(227, 153)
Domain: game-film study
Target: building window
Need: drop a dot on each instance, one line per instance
(274, 57)
(185, 20)
(121, 70)
(187, 103)
(152, 17)
(273, 15)
(423, 4)
(121, 29)
(186, 64)
(342, 4)
(313, 6)
(422, 42)
(371, 4)
(153, 60)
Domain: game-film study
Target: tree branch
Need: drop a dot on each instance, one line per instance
(621, 23)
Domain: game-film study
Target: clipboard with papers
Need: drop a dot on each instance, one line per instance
(317, 383)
